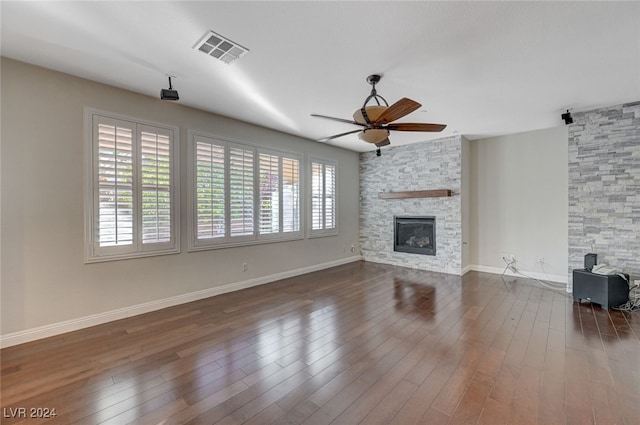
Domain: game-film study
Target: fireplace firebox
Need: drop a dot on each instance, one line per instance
(416, 235)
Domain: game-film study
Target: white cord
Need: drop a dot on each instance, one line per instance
(634, 292)
(510, 265)
(549, 285)
(634, 300)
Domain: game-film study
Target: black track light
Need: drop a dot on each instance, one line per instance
(568, 119)
(170, 93)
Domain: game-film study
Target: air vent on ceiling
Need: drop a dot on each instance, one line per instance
(221, 48)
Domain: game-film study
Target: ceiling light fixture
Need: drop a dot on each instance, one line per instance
(221, 48)
(377, 120)
(568, 119)
(367, 114)
(170, 93)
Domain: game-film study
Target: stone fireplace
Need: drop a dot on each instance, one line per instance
(431, 165)
(416, 235)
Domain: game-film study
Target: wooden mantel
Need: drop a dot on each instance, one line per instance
(415, 194)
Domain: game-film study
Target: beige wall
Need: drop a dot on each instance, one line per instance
(465, 199)
(44, 280)
(519, 202)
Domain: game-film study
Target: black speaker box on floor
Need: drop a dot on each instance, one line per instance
(607, 290)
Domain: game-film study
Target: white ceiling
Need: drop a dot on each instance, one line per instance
(483, 68)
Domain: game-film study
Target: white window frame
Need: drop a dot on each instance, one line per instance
(95, 253)
(333, 231)
(226, 241)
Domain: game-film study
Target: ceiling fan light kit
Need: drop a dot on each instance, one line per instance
(373, 136)
(372, 113)
(376, 119)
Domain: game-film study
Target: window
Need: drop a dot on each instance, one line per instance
(279, 182)
(241, 194)
(290, 194)
(131, 192)
(210, 191)
(241, 191)
(269, 194)
(323, 197)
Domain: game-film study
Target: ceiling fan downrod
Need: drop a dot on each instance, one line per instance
(373, 80)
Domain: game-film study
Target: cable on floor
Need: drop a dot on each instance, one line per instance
(634, 300)
(549, 285)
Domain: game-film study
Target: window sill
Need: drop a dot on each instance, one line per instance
(130, 256)
(223, 245)
(323, 234)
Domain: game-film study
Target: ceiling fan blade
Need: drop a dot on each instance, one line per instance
(385, 142)
(338, 119)
(407, 126)
(326, 139)
(398, 110)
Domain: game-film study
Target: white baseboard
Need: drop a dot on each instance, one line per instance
(425, 268)
(493, 270)
(535, 275)
(46, 331)
(466, 270)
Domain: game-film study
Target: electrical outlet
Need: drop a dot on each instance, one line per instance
(245, 266)
(353, 248)
(541, 260)
(508, 257)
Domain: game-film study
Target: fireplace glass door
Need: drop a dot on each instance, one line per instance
(416, 235)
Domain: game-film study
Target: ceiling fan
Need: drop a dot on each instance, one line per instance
(377, 120)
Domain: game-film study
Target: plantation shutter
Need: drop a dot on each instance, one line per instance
(317, 194)
(323, 196)
(130, 203)
(210, 190)
(329, 196)
(241, 194)
(290, 195)
(115, 186)
(269, 215)
(155, 180)
(241, 191)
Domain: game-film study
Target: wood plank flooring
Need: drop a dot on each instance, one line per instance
(362, 343)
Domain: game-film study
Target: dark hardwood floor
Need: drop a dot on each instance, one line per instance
(360, 343)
